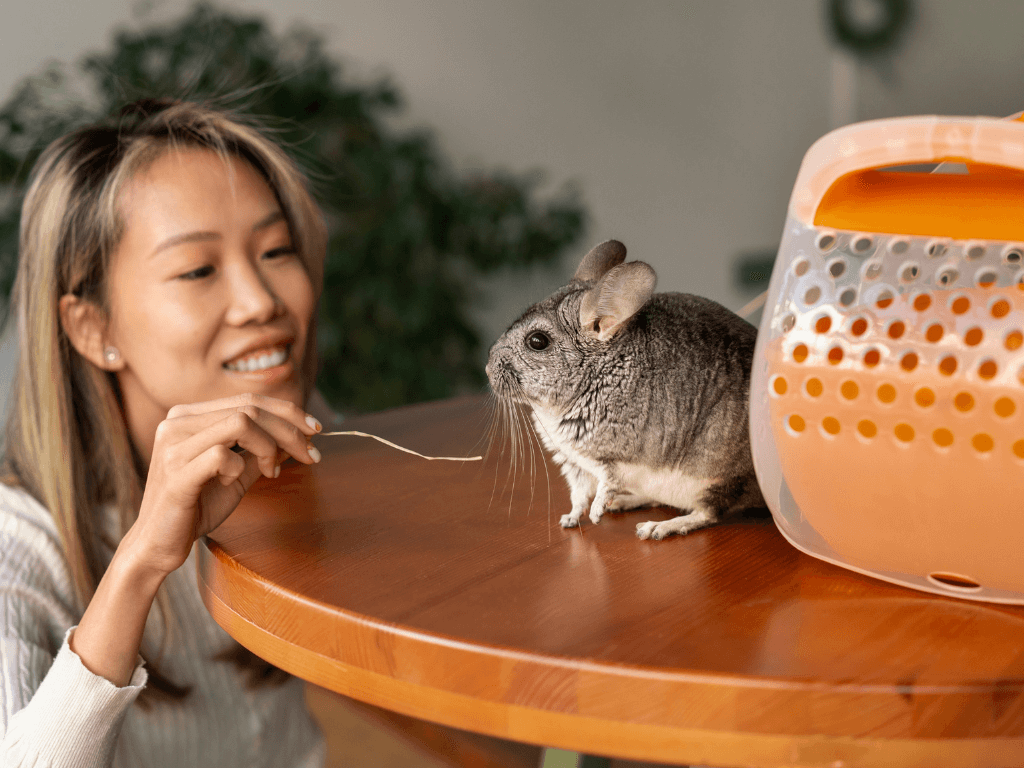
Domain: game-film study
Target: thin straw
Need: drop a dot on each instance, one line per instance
(388, 442)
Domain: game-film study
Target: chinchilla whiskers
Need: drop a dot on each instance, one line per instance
(486, 440)
(516, 450)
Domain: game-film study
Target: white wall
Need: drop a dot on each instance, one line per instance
(684, 122)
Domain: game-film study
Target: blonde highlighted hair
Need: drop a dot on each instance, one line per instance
(67, 442)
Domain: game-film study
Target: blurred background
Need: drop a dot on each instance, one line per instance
(468, 154)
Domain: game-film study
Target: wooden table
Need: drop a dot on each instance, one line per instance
(436, 590)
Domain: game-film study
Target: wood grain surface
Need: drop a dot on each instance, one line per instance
(447, 592)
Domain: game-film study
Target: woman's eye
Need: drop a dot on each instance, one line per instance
(538, 340)
(274, 253)
(198, 274)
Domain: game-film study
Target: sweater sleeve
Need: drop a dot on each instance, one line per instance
(53, 710)
(72, 719)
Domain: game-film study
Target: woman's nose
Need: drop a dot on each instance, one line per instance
(252, 298)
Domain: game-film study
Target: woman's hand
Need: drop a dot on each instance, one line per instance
(195, 480)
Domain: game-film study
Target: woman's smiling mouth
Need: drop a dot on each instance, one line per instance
(260, 360)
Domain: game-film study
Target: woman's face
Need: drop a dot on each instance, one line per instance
(208, 297)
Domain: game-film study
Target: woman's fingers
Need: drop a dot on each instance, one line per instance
(243, 429)
(231, 426)
(284, 409)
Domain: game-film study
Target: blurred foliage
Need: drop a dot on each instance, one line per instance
(407, 236)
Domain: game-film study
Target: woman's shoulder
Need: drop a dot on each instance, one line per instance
(37, 598)
(20, 510)
(30, 546)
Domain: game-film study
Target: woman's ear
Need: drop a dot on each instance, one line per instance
(86, 327)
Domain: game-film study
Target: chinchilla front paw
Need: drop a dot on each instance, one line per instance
(699, 518)
(571, 520)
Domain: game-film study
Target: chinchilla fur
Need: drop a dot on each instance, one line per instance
(641, 397)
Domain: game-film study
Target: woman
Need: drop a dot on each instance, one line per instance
(170, 265)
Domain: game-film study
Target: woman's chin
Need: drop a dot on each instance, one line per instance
(280, 381)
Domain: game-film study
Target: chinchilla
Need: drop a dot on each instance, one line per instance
(641, 397)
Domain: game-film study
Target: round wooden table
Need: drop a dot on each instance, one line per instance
(447, 591)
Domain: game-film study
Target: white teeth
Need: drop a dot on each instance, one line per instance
(259, 362)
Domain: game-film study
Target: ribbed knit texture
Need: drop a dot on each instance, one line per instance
(54, 712)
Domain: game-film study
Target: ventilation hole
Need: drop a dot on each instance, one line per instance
(1012, 255)
(904, 433)
(872, 270)
(942, 437)
(799, 353)
(847, 297)
(947, 365)
(872, 357)
(859, 326)
(800, 268)
(826, 241)
(960, 305)
(1004, 407)
(869, 430)
(986, 279)
(954, 581)
(934, 333)
(796, 423)
(1018, 449)
(837, 268)
(899, 247)
(947, 277)
(924, 397)
(884, 299)
(887, 393)
(831, 425)
(1013, 340)
(788, 322)
(779, 385)
(988, 369)
(814, 387)
(973, 337)
(982, 443)
(909, 361)
(862, 244)
(936, 248)
(835, 355)
(812, 295)
(964, 402)
(975, 252)
(1001, 308)
(909, 273)
(822, 324)
(896, 329)
(849, 390)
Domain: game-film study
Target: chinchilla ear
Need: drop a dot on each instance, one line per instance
(601, 258)
(616, 298)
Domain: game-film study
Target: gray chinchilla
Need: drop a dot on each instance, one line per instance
(640, 396)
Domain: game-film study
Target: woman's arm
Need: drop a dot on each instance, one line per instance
(109, 634)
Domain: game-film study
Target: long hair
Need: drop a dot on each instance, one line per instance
(67, 441)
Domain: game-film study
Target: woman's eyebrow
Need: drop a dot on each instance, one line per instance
(197, 237)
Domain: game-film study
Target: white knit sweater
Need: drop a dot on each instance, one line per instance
(54, 712)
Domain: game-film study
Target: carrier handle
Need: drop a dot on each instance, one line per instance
(903, 141)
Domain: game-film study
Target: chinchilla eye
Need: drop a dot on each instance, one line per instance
(538, 340)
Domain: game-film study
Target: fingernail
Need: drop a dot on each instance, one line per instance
(314, 454)
(277, 471)
(314, 424)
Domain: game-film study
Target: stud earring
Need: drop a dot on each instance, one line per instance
(111, 355)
